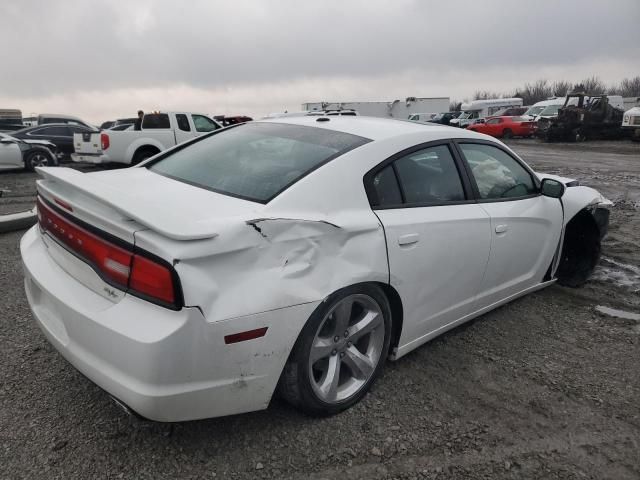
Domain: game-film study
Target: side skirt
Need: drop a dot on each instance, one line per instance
(406, 348)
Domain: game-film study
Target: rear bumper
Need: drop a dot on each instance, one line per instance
(90, 158)
(165, 365)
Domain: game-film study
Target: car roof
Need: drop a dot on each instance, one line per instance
(47, 125)
(374, 128)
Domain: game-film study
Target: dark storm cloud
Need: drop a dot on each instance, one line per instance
(66, 46)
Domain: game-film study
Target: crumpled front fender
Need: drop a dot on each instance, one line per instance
(579, 198)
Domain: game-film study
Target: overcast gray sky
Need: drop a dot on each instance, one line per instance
(101, 60)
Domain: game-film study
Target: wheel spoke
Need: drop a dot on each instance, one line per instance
(329, 385)
(360, 365)
(342, 316)
(369, 322)
(321, 348)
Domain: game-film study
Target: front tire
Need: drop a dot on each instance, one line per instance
(340, 351)
(38, 158)
(507, 133)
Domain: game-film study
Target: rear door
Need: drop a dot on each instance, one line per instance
(184, 129)
(438, 238)
(525, 225)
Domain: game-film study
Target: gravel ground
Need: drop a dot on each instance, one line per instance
(545, 387)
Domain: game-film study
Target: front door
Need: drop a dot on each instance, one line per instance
(437, 238)
(10, 155)
(525, 226)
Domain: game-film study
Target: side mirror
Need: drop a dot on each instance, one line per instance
(552, 188)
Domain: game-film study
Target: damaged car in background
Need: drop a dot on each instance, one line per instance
(293, 255)
(28, 154)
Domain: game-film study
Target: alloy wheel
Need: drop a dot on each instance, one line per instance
(39, 160)
(346, 348)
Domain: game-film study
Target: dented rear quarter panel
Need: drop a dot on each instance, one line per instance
(273, 263)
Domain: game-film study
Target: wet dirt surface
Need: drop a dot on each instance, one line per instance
(545, 387)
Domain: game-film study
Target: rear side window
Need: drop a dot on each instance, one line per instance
(497, 174)
(424, 177)
(255, 161)
(183, 122)
(53, 131)
(386, 188)
(155, 120)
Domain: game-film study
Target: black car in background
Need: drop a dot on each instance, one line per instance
(112, 124)
(11, 127)
(444, 118)
(60, 134)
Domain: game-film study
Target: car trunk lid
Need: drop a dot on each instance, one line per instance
(131, 199)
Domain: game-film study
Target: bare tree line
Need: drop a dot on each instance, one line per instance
(543, 89)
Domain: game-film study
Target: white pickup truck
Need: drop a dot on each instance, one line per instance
(159, 132)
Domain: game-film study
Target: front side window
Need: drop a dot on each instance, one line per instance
(255, 161)
(493, 121)
(204, 124)
(497, 174)
(429, 176)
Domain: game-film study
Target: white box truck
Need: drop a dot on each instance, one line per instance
(400, 109)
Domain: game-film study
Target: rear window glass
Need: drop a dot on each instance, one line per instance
(156, 120)
(255, 161)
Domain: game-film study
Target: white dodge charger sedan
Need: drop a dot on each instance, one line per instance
(293, 255)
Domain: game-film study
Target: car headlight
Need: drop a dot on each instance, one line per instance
(626, 119)
(24, 146)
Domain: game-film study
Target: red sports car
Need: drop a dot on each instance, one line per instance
(505, 127)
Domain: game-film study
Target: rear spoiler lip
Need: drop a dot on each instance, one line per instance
(66, 176)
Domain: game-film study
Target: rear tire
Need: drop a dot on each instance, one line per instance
(39, 158)
(340, 351)
(142, 154)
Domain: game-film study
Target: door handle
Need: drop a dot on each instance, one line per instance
(408, 239)
(501, 228)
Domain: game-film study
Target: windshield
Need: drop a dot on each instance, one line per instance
(255, 161)
(550, 110)
(534, 110)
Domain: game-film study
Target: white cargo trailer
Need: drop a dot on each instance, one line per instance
(400, 109)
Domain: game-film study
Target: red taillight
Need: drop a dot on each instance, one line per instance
(118, 266)
(151, 278)
(104, 141)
